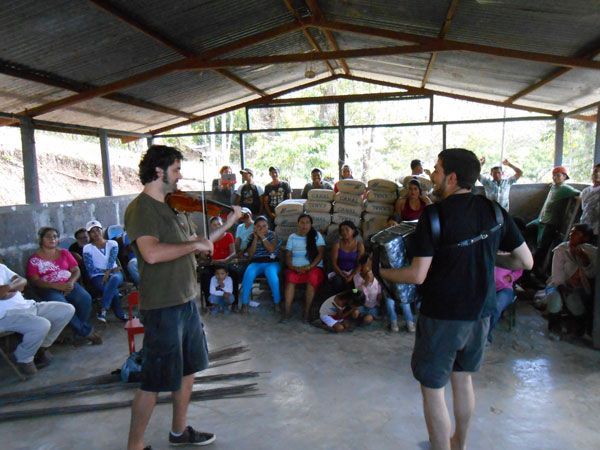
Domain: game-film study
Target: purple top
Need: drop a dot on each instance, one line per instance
(347, 261)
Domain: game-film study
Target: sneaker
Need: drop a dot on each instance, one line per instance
(410, 327)
(394, 326)
(123, 318)
(102, 316)
(42, 358)
(192, 437)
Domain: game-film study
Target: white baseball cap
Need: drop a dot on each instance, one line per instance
(92, 224)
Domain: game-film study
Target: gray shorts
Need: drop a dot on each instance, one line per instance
(174, 347)
(446, 346)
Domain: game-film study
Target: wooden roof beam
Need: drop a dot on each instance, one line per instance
(445, 27)
(589, 52)
(252, 102)
(425, 91)
(311, 40)
(162, 70)
(450, 45)
(50, 79)
(314, 8)
(139, 25)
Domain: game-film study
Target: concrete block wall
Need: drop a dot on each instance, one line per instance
(19, 224)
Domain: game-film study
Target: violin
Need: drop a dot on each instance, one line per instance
(185, 203)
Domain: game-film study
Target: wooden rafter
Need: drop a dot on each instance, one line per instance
(445, 27)
(450, 45)
(253, 102)
(582, 109)
(341, 98)
(50, 79)
(425, 91)
(162, 70)
(589, 52)
(139, 25)
(309, 37)
(318, 14)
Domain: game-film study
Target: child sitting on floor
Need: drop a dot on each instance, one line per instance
(221, 290)
(365, 282)
(338, 310)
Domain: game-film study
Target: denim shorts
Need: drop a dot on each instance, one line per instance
(174, 346)
(446, 346)
(364, 310)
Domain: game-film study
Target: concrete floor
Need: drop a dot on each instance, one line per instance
(327, 391)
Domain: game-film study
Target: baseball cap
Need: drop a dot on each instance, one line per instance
(560, 169)
(92, 224)
(250, 171)
(246, 211)
(273, 168)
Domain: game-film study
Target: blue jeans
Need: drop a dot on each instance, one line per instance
(80, 299)
(391, 310)
(221, 301)
(270, 270)
(134, 273)
(504, 297)
(110, 292)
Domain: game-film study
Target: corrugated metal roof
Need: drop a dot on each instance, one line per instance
(86, 44)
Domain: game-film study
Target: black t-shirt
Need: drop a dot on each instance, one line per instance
(277, 194)
(460, 283)
(250, 198)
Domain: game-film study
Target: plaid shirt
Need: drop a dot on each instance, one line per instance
(498, 192)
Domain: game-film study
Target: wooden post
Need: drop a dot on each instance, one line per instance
(30, 171)
(559, 140)
(341, 137)
(597, 145)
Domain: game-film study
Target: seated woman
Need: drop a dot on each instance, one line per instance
(411, 206)
(505, 294)
(571, 283)
(100, 258)
(304, 261)
(263, 252)
(54, 272)
(345, 254)
(224, 251)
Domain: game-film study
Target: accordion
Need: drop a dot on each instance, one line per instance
(392, 249)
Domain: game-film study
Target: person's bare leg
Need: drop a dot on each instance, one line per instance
(181, 400)
(464, 403)
(436, 418)
(141, 411)
(308, 299)
(289, 290)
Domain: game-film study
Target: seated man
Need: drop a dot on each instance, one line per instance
(346, 175)
(39, 323)
(243, 232)
(590, 203)
(570, 286)
(498, 188)
(546, 226)
(417, 171)
(317, 183)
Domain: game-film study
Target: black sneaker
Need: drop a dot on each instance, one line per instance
(192, 437)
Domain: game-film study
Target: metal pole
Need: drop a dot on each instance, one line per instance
(431, 109)
(559, 141)
(341, 137)
(242, 151)
(149, 141)
(105, 163)
(30, 172)
(597, 146)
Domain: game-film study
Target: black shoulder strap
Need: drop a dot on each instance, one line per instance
(436, 232)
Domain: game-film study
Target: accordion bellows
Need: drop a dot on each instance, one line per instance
(392, 246)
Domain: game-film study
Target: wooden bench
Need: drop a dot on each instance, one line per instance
(5, 351)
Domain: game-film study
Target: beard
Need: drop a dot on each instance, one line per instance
(439, 191)
(168, 186)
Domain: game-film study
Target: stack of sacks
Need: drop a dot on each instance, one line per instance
(349, 202)
(379, 206)
(286, 217)
(319, 208)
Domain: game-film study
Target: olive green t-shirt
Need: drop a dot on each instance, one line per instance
(167, 283)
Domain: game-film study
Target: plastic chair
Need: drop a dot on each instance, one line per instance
(133, 326)
(66, 242)
(114, 231)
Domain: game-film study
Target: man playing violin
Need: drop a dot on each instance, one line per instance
(174, 341)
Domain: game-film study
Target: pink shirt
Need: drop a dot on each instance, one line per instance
(500, 274)
(371, 291)
(52, 271)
